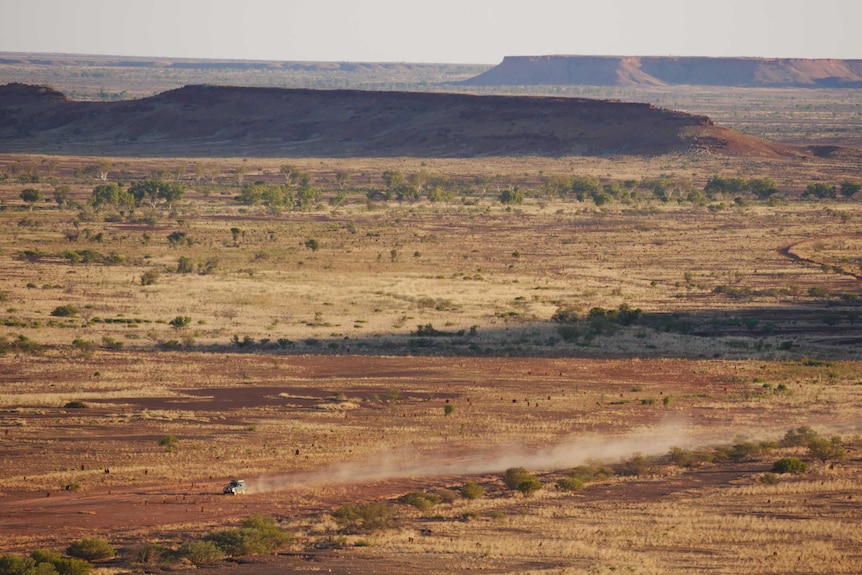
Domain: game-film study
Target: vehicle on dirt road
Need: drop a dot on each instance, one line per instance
(235, 487)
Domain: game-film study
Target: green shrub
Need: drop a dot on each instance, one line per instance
(169, 442)
(45, 556)
(149, 277)
(419, 500)
(689, 458)
(447, 496)
(91, 549)
(200, 552)
(365, 517)
(185, 265)
(518, 478)
(76, 405)
(471, 490)
(570, 483)
(745, 450)
(789, 465)
(637, 466)
(111, 343)
(153, 554)
(180, 321)
(799, 437)
(72, 566)
(67, 310)
(84, 345)
(448, 409)
(258, 535)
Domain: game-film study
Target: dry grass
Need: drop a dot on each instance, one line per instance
(351, 407)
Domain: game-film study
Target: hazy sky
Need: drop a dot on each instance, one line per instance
(456, 31)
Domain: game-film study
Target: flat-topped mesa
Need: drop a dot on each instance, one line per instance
(669, 70)
(278, 122)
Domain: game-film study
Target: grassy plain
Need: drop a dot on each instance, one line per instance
(321, 371)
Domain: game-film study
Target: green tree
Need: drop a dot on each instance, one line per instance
(31, 196)
(513, 196)
(392, 178)
(799, 437)
(111, 195)
(307, 197)
(343, 178)
(820, 191)
(61, 195)
(100, 170)
(156, 191)
(826, 449)
(584, 187)
(849, 188)
(763, 188)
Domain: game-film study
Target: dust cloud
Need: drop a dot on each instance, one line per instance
(409, 464)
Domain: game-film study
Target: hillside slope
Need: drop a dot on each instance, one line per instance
(272, 122)
(659, 70)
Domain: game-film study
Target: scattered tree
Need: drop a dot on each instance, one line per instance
(31, 196)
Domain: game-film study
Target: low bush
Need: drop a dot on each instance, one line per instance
(153, 554)
(91, 549)
(365, 517)
(637, 466)
(200, 552)
(149, 277)
(471, 490)
(420, 500)
(67, 310)
(789, 465)
(169, 442)
(518, 478)
(569, 483)
(447, 496)
(43, 562)
(258, 535)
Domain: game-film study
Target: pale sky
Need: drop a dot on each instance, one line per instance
(433, 31)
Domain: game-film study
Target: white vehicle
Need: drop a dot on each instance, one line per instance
(235, 487)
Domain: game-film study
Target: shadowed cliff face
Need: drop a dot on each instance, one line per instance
(272, 122)
(658, 71)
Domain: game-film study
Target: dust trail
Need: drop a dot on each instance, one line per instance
(405, 464)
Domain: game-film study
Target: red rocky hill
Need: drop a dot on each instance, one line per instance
(274, 122)
(660, 71)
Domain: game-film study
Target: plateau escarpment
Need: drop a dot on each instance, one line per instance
(666, 70)
(276, 122)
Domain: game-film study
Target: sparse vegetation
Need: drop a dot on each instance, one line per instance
(91, 549)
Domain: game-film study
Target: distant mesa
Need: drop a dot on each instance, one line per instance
(668, 71)
(221, 121)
